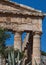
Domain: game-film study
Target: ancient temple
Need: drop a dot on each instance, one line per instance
(18, 19)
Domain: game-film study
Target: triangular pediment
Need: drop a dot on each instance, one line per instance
(9, 6)
(6, 5)
(19, 17)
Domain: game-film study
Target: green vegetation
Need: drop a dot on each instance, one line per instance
(3, 37)
(8, 52)
(13, 56)
(43, 53)
(21, 54)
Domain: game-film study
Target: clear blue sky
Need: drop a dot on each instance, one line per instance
(40, 5)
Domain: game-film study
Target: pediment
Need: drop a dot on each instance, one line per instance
(18, 22)
(8, 6)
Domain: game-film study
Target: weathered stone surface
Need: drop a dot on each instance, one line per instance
(17, 41)
(21, 25)
(36, 49)
(21, 18)
(6, 7)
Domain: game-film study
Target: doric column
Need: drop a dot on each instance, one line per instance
(36, 49)
(17, 41)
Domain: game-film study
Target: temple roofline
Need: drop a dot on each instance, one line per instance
(24, 6)
(29, 9)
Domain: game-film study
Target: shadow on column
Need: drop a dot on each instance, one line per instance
(29, 48)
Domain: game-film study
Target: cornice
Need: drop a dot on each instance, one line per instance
(22, 9)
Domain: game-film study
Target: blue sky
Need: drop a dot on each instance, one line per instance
(37, 4)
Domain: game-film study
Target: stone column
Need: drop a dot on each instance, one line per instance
(17, 41)
(36, 49)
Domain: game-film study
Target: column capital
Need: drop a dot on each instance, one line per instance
(17, 32)
(37, 33)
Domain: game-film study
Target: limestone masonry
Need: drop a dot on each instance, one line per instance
(18, 19)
